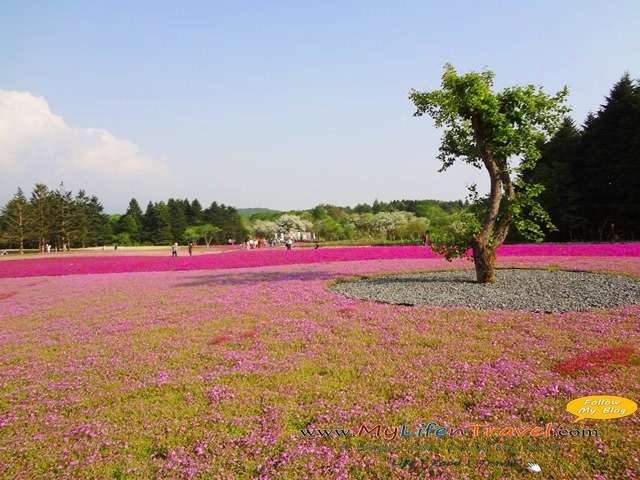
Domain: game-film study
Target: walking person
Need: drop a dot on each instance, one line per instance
(190, 248)
(425, 239)
(174, 249)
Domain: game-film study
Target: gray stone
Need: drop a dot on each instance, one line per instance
(515, 289)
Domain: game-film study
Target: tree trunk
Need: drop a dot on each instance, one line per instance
(484, 258)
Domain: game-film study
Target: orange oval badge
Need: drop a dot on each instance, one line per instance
(602, 407)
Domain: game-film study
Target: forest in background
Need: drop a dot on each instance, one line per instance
(590, 174)
(64, 220)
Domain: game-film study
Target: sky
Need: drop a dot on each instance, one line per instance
(277, 104)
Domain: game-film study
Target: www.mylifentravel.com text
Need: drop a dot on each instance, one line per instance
(436, 431)
(449, 448)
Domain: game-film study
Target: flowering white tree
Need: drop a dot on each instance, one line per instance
(265, 229)
(363, 223)
(292, 223)
(388, 224)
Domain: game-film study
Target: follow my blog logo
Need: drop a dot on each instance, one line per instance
(601, 407)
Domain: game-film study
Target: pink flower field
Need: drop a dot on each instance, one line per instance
(70, 264)
(243, 365)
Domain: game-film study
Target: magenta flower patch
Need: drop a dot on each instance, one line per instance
(67, 264)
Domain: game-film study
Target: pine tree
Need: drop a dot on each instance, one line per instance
(177, 219)
(157, 224)
(560, 197)
(194, 213)
(100, 231)
(64, 217)
(610, 154)
(148, 224)
(42, 203)
(82, 214)
(15, 220)
(228, 220)
(128, 230)
(135, 211)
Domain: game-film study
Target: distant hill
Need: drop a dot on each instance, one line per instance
(247, 212)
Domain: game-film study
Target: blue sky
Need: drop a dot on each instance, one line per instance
(283, 105)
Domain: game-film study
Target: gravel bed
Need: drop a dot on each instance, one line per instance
(515, 289)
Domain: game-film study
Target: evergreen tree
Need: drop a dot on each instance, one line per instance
(128, 230)
(135, 212)
(610, 156)
(148, 224)
(560, 198)
(235, 226)
(157, 224)
(42, 204)
(64, 217)
(228, 220)
(622, 113)
(82, 207)
(591, 176)
(15, 221)
(363, 208)
(100, 231)
(193, 213)
(177, 219)
(378, 207)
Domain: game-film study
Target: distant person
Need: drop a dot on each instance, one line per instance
(115, 247)
(612, 232)
(425, 239)
(174, 249)
(317, 246)
(190, 248)
(289, 243)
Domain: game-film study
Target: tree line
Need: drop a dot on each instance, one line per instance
(53, 217)
(591, 173)
(63, 220)
(398, 221)
(163, 223)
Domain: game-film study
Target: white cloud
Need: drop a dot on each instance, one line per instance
(37, 146)
(32, 135)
